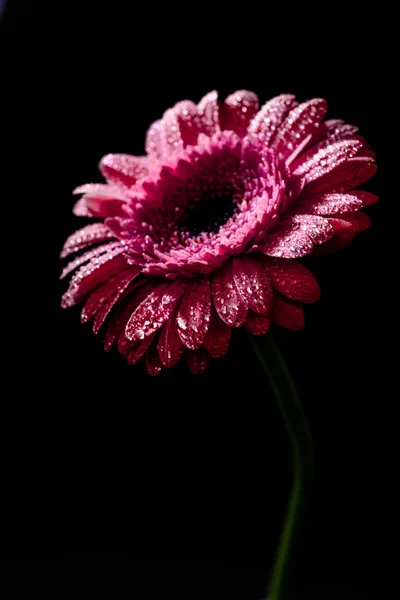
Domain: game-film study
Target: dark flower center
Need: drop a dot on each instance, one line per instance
(209, 213)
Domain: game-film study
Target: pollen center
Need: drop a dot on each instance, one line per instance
(210, 213)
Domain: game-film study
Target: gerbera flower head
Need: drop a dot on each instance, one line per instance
(202, 234)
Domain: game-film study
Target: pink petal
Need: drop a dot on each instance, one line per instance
(344, 233)
(115, 286)
(271, 116)
(253, 284)
(152, 313)
(299, 125)
(87, 236)
(154, 140)
(123, 168)
(188, 122)
(295, 236)
(218, 337)
(170, 346)
(257, 324)
(106, 308)
(227, 300)
(153, 363)
(123, 344)
(286, 314)
(104, 207)
(197, 360)
(345, 177)
(138, 349)
(194, 314)
(170, 132)
(84, 258)
(80, 208)
(120, 318)
(92, 274)
(360, 221)
(237, 111)
(332, 204)
(209, 113)
(326, 159)
(101, 190)
(291, 279)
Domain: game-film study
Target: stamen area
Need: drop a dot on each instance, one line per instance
(209, 213)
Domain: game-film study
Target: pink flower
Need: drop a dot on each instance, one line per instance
(201, 234)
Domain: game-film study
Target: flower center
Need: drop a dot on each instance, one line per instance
(210, 213)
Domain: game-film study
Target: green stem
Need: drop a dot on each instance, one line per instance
(298, 431)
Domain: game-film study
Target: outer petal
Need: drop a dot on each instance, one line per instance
(345, 177)
(87, 236)
(120, 318)
(152, 313)
(153, 363)
(197, 360)
(227, 300)
(344, 233)
(114, 287)
(237, 111)
(253, 284)
(271, 116)
(360, 221)
(326, 159)
(170, 346)
(138, 349)
(299, 126)
(296, 236)
(92, 274)
(332, 204)
(291, 279)
(286, 314)
(218, 337)
(124, 169)
(100, 200)
(257, 324)
(154, 140)
(84, 258)
(209, 114)
(194, 314)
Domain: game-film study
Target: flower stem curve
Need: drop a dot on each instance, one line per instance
(299, 434)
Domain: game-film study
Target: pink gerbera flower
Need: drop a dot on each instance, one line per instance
(201, 234)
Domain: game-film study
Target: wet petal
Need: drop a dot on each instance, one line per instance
(154, 311)
(93, 273)
(257, 324)
(153, 363)
(170, 346)
(270, 118)
(113, 287)
(293, 280)
(138, 349)
(253, 284)
(218, 337)
(332, 204)
(87, 236)
(286, 314)
(124, 169)
(197, 360)
(227, 300)
(345, 177)
(299, 125)
(209, 113)
(296, 236)
(343, 234)
(237, 111)
(194, 314)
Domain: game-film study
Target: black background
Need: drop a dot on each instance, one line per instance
(176, 486)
